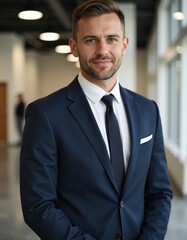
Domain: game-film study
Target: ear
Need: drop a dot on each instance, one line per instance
(125, 45)
(73, 46)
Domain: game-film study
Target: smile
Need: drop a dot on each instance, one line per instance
(102, 63)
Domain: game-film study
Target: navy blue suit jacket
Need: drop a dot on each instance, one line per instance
(68, 189)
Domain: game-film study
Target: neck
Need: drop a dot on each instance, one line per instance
(107, 85)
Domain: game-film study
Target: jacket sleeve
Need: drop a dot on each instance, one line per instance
(38, 180)
(158, 193)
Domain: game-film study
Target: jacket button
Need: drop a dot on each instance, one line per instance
(122, 205)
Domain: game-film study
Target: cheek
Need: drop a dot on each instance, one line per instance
(85, 53)
(118, 54)
(117, 50)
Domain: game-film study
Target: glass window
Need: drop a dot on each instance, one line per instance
(174, 25)
(174, 92)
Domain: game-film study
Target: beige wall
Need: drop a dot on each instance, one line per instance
(142, 72)
(55, 72)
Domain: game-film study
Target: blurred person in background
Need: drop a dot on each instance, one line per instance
(19, 114)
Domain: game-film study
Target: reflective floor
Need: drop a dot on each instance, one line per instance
(12, 226)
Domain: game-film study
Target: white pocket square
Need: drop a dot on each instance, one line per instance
(146, 139)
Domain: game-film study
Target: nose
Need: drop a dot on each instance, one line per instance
(101, 47)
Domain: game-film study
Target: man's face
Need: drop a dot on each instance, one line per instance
(100, 45)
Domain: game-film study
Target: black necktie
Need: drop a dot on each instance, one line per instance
(114, 140)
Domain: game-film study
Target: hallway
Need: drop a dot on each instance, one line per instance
(12, 226)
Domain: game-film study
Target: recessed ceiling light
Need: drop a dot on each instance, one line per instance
(49, 36)
(178, 15)
(30, 15)
(63, 49)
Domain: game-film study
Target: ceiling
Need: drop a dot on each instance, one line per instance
(57, 17)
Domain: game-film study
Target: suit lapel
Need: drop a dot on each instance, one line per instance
(82, 113)
(133, 116)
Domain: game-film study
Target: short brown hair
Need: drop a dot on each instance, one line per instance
(95, 8)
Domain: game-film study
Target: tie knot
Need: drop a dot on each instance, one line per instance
(107, 99)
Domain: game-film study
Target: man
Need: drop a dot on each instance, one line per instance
(69, 186)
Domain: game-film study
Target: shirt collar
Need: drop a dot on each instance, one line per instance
(95, 93)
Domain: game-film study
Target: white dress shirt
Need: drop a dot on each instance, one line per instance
(94, 94)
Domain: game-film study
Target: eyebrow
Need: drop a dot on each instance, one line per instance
(94, 36)
(89, 36)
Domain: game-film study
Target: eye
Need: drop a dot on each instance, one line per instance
(112, 40)
(90, 40)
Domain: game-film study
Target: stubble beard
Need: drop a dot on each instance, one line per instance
(102, 73)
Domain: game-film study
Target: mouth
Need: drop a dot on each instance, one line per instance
(102, 62)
